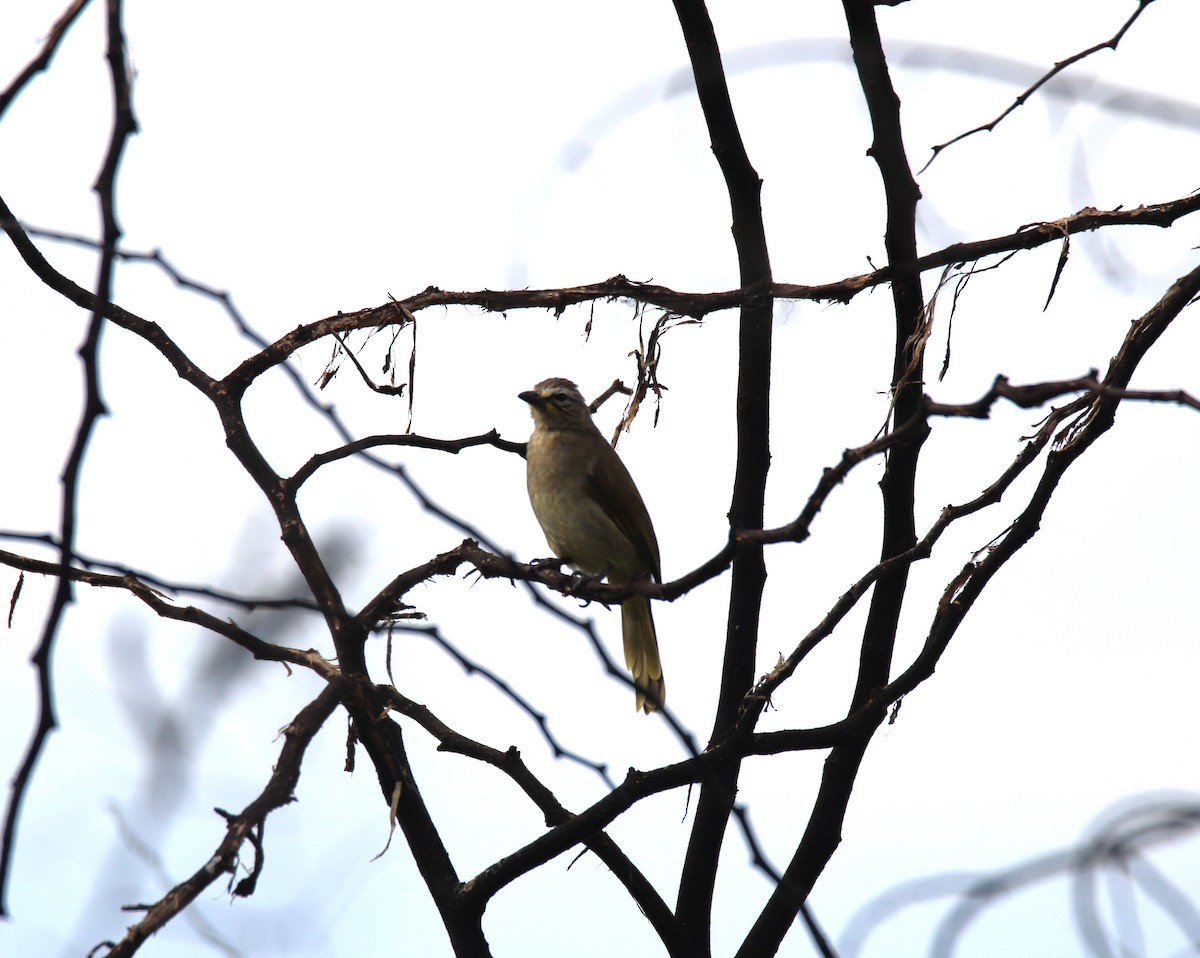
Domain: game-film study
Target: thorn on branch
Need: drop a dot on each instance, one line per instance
(16, 593)
(351, 738)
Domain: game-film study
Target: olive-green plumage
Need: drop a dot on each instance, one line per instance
(593, 516)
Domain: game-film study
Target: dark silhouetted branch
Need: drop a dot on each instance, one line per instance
(245, 826)
(305, 472)
(153, 598)
(248, 602)
(123, 127)
(510, 763)
(42, 61)
(744, 188)
(840, 771)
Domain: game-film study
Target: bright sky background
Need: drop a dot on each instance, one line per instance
(309, 162)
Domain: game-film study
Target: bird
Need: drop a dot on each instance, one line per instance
(594, 518)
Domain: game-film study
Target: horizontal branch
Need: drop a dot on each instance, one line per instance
(265, 651)
(698, 305)
(248, 602)
(1038, 394)
(455, 446)
(491, 565)
(639, 785)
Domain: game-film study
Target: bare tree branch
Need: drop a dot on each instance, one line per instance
(539, 717)
(245, 826)
(305, 472)
(510, 763)
(1093, 416)
(696, 305)
(742, 183)
(247, 602)
(823, 832)
(41, 62)
(1067, 431)
(168, 610)
(1109, 44)
(384, 742)
(123, 127)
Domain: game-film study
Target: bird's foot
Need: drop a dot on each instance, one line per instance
(553, 562)
(586, 578)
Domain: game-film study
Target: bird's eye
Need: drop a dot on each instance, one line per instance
(560, 399)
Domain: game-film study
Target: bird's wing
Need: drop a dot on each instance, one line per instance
(610, 484)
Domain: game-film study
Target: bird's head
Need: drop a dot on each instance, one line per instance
(557, 404)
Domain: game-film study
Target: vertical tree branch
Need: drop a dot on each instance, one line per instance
(694, 906)
(900, 241)
(823, 833)
(461, 914)
(124, 126)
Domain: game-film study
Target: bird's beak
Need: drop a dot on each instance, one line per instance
(531, 397)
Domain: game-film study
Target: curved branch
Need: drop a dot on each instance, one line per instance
(1109, 44)
(696, 305)
(455, 446)
(41, 62)
(1070, 443)
(248, 602)
(510, 763)
(265, 651)
(123, 127)
(246, 825)
(151, 332)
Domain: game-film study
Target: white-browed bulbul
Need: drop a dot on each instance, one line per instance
(593, 516)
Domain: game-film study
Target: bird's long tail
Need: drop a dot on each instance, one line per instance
(641, 653)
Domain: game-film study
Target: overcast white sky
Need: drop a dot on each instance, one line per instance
(311, 161)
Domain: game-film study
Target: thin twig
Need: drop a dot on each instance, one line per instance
(42, 61)
(1109, 44)
(248, 602)
(123, 127)
(153, 598)
(539, 717)
(245, 826)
